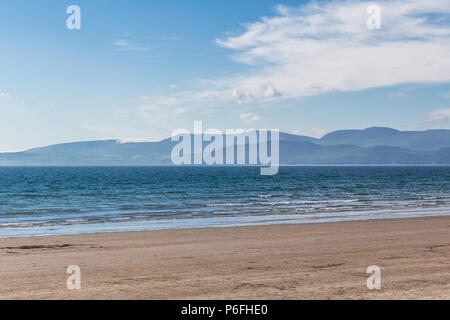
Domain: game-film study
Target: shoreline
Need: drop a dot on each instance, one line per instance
(269, 223)
(219, 222)
(288, 261)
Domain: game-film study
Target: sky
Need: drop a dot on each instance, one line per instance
(138, 69)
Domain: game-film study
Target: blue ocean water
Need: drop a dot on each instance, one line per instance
(50, 201)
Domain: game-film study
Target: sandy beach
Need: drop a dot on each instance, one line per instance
(309, 261)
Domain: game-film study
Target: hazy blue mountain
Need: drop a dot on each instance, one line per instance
(371, 137)
(292, 137)
(373, 146)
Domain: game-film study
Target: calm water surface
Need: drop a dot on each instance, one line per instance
(44, 201)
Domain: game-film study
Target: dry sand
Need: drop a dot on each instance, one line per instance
(310, 261)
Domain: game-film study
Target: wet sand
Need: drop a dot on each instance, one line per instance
(309, 261)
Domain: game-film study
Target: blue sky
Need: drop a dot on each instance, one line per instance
(139, 69)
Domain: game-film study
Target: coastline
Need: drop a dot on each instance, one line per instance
(218, 222)
(288, 261)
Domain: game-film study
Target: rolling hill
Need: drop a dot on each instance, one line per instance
(373, 146)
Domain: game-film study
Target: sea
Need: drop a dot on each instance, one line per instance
(40, 201)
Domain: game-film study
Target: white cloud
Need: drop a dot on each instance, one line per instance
(243, 97)
(398, 95)
(264, 91)
(4, 95)
(439, 116)
(315, 133)
(326, 46)
(249, 117)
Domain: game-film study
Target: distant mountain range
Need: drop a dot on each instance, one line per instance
(373, 146)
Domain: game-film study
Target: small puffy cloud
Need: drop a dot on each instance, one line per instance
(4, 95)
(439, 116)
(263, 91)
(398, 95)
(242, 97)
(314, 133)
(249, 117)
(268, 90)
